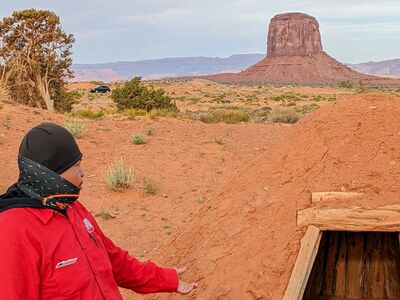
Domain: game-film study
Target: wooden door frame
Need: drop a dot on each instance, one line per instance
(356, 219)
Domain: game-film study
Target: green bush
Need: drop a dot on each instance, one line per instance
(134, 94)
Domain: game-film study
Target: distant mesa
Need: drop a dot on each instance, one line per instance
(295, 55)
(293, 34)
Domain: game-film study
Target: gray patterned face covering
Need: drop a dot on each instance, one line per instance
(44, 185)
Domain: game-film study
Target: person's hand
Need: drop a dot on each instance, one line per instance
(184, 287)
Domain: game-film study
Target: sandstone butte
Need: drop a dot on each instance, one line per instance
(295, 56)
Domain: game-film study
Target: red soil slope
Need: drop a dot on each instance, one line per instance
(244, 244)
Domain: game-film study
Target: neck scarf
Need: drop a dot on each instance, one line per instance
(45, 186)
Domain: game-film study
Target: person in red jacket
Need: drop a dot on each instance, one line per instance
(50, 245)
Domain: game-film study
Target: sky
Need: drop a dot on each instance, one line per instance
(124, 30)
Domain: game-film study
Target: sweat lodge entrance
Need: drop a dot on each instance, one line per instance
(347, 254)
(356, 265)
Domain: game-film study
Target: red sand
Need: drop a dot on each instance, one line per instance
(241, 242)
(244, 244)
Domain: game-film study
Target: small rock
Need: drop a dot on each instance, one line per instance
(164, 195)
(372, 107)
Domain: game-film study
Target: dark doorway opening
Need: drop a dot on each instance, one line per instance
(356, 265)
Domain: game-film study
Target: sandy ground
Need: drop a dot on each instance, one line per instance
(227, 195)
(245, 244)
(201, 94)
(189, 162)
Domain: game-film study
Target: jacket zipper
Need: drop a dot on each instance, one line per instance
(94, 239)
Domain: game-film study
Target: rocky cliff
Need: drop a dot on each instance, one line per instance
(295, 56)
(293, 34)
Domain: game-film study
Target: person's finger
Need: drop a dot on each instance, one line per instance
(181, 270)
(185, 288)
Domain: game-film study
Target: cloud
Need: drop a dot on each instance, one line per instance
(133, 29)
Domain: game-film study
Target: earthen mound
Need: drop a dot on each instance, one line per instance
(295, 56)
(244, 244)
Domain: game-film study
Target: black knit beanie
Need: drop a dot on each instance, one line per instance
(51, 146)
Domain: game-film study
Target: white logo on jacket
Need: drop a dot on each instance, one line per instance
(67, 262)
(88, 225)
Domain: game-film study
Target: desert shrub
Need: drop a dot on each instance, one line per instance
(132, 113)
(118, 177)
(194, 100)
(110, 110)
(104, 214)
(361, 87)
(228, 106)
(149, 186)
(64, 100)
(290, 96)
(74, 127)
(138, 139)
(172, 113)
(347, 84)
(91, 97)
(219, 140)
(316, 98)
(207, 117)
(150, 131)
(305, 109)
(134, 94)
(284, 116)
(87, 113)
(331, 98)
(226, 116)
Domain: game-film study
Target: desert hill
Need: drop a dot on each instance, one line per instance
(244, 244)
(162, 68)
(386, 68)
(194, 66)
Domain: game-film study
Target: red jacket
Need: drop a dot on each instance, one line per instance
(44, 255)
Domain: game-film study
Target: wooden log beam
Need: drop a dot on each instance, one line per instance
(308, 251)
(324, 196)
(386, 219)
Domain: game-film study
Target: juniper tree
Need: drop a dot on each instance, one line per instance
(36, 54)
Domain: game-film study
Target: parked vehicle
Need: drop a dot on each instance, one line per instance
(100, 89)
